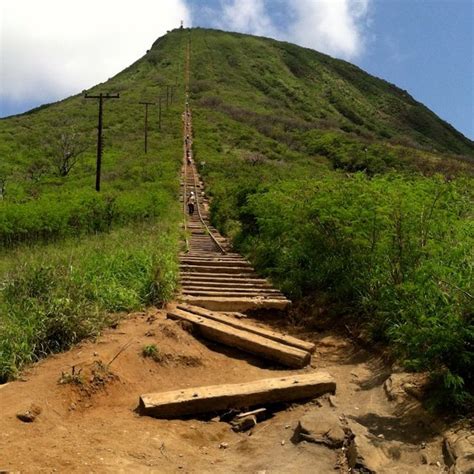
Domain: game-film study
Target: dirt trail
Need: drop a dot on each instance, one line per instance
(92, 427)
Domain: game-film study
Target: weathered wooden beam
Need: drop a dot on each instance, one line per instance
(244, 340)
(231, 303)
(193, 401)
(236, 323)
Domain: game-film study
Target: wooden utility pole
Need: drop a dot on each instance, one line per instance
(101, 98)
(146, 104)
(159, 113)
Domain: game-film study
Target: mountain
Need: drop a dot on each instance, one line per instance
(259, 78)
(340, 187)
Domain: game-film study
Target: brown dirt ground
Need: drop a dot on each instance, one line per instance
(93, 426)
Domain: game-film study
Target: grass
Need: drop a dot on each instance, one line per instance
(52, 296)
(152, 351)
(71, 258)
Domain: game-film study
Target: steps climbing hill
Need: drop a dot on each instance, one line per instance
(212, 275)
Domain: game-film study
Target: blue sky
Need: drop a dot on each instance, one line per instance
(423, 46)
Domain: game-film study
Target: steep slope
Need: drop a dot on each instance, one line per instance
(282, 88)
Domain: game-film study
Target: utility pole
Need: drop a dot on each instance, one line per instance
(167, 95)
(159, 112)
(146, 104)
(101, 98)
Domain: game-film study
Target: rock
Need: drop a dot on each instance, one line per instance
(403, 386)
(332, 401)
(244, 424)
(223, 445)
(30, 415)
(320, 426)
(362, 453)
(459, 451)
(333, 342)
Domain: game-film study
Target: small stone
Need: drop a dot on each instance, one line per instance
(283, 442)
(223, 445)
(424, 459)
(95, 354)
(287, 426)
(381, 436)
(28, 416)
(332, 401)
(244, 424)
(423, 445)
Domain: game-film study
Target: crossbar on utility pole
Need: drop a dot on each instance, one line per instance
(101, 98)
(146, 104)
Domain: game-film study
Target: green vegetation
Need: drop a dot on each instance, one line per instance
(70, 258)
(152, 351)
(332, 182)
(54, 295)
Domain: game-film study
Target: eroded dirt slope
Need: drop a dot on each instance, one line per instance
(92, 426)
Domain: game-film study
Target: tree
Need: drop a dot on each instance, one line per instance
(65, 150)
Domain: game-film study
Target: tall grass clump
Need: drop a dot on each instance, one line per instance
(53, 296)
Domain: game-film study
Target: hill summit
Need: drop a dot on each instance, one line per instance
(281, 87)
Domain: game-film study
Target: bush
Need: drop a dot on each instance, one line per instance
(398, 249)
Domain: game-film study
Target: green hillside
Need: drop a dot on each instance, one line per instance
(339, 186)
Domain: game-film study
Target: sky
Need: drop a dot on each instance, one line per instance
(51, 49)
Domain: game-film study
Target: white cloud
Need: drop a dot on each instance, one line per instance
(53, 48)
(336, 27)
(332, 26)
(248, 16)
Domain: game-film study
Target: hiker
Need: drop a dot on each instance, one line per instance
(191, 202)
(188, 157)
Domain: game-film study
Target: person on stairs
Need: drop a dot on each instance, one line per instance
(191, 203)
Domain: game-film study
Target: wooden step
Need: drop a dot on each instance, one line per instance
(242, 303)
(246, 326)
(214, 398)
(232, 292)
(215, 269)
(244, 340)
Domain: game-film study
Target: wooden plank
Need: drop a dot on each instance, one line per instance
(236, 323)
(229, 303)
(193, 401)
(244, 340)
